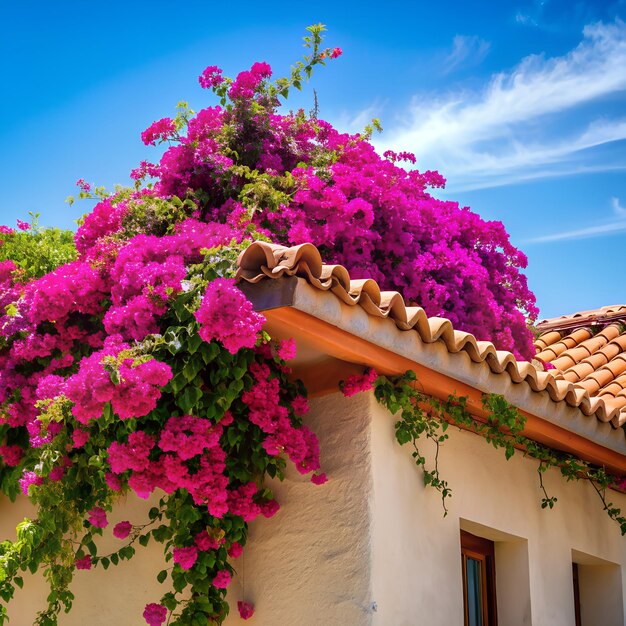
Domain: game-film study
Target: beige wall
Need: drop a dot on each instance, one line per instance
(371, 547)
(416, 552)
(115, 597)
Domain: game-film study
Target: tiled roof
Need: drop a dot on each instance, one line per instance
(588, 350)
(594, 317)
(588, 360)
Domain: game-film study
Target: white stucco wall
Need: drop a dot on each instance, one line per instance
(103, 598)
(416, 552)
(372, 548)
(310, 564)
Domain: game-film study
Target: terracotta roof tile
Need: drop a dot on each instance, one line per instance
(547, 339)
(615, 387)
(601, 374)
(600, 316)
(589, 374)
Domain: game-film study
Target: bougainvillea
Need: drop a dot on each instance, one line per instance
(135, 364)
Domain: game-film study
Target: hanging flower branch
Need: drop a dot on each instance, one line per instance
(131, 363)
(420, 416)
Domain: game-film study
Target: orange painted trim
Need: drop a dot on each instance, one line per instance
(342, 345)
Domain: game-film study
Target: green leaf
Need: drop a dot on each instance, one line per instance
(192, 368)
(188, 399)
(162, 575)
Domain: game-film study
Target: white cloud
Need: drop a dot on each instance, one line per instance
(618, 209)
(525, 19)
(601, 230)
(465, 50)
(583, 233)
(356, 123)
(505, 130)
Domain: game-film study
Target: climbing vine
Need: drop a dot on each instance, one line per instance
(131, 363)
(424, 417)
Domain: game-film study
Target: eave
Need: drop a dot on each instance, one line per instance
(336, 340)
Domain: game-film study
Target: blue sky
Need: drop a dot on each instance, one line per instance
(520, 105)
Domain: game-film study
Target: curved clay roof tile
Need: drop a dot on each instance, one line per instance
(261, 261)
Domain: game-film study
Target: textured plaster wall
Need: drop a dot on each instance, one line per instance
(310, 565)
(372, 548)
(115, 597)
(416, 551)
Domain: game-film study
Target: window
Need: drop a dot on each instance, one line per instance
(479, 580)
(597, 591)
(576, 594)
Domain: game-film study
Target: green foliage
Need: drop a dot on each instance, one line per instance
(37, 251)
(424, 416)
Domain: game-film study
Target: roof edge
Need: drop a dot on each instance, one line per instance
(350, 334)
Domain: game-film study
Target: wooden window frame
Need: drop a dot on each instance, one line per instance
(575, 580)
(483, 550)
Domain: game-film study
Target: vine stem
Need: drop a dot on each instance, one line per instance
(601, 494)
(436, 472)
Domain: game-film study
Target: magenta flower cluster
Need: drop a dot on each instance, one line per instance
(134, 394)
(161, 130)
(360, 209)
(265, 410)
(357, 383)
(155, 614)
(90, 354)
(226, 314)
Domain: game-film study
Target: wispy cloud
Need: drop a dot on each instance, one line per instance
(583, 233)
(600, 230)
(618, 209)
(532, 15)
(506, 130)
(356, 123)
(466, 50)
(525, 19)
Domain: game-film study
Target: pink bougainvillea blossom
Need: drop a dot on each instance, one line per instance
(246, 610)
(84, 563)
(185, 557)
(211, 77)
(270, 508)
(112, 481)
(319, 479)
(80, 437)
(188, 436)
(135, 395)
(121, 530)
(155, 614)
(28, 479)
(235, 550)
(287, 349)
(83, 186)
(226, 314)
(11, 455)
(56, 473)
(98, 517)
(205, 542)
(222, 579)
(357, 383)
(161, 130)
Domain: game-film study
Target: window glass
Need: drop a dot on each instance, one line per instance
(479, 580)
(474, 593)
